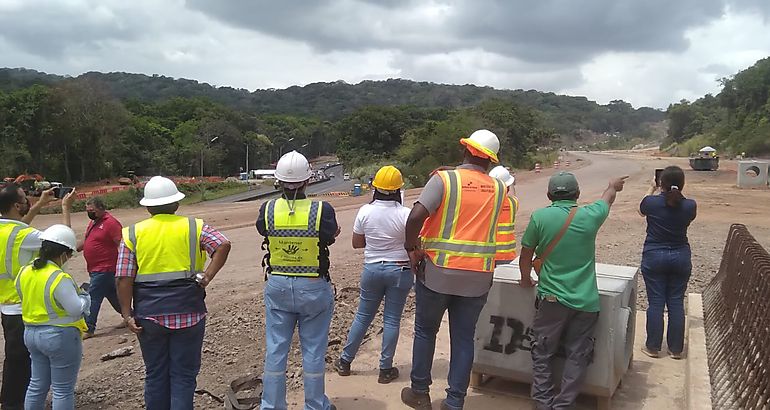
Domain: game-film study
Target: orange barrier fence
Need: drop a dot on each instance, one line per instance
(330, 194)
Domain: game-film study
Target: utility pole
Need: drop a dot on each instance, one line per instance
(247, 157)
(280, 150)
(203, 148)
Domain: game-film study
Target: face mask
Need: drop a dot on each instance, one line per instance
(92, 216)
(65, 259)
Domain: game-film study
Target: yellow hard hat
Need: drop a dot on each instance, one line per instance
(388, 178)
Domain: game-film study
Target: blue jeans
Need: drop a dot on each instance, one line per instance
(102, 285)
(307, 304)
(463, 314)
(56, 353)
(172, 360)
(666, 273)
(380, 280)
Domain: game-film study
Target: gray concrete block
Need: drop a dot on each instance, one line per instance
(753, 174)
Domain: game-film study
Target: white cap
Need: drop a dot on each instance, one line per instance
(502, 174)
(160, 191)
(61, 234)
(293, 167)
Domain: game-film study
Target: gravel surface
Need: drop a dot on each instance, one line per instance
(234, 343)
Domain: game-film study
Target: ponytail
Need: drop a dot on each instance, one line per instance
(39, 263)
(672, 182)
(48, 252)
(394, 196)
(674, 197)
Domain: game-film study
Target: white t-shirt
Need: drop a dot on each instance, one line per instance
(29, 249)
(383, 223)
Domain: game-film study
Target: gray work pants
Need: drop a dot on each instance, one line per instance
(555, 323)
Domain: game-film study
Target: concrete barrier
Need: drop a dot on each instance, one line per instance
(697, 379)
(760, 168)
(504, 336)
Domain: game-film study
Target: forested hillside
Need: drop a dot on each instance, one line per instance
(101, 125)
(332, 101)
(736, 120)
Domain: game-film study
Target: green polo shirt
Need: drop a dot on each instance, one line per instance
(569, 272)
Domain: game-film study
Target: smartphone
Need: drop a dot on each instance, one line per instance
(421, 266)
(85, 286)
(61, 192)
(420, 274)
(658, 171)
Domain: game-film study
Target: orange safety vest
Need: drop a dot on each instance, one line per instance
(462, 234)
(506, 237)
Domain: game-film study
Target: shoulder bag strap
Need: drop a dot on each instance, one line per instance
(561, 233)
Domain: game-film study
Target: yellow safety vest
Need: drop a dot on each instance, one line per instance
(166, 247)
(12, 235)
(293, 237)
(36, 287)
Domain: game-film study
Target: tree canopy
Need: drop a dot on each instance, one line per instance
(101, 125)
(335, 100)
(735, 120)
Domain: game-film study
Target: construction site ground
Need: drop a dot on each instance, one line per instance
(234, 343)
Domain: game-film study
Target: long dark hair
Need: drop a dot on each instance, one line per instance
(48, 252)
(380, 196)
(672, 183)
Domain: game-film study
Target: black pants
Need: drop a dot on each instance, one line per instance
(17, 365)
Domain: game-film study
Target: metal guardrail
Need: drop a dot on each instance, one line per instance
(737, 320)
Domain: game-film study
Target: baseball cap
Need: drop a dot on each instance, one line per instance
(563, 184)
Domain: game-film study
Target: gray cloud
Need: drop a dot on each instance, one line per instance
(50, 28)
(474, 67)
(543, 31)
(647, 52)
(716, 69)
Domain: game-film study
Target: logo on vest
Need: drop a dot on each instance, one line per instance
(472, 187)
(291, 249)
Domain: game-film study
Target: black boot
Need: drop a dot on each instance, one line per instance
(388, 375)
(342, 367)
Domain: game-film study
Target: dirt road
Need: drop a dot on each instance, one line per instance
(235, 329)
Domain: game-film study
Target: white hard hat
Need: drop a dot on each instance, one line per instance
(61, 234)
(293, 167)
(160, 191)
(502, 174)
(483, 143)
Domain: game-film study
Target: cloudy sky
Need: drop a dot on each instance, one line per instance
(647, 52)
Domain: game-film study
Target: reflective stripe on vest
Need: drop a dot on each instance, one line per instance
(193, 261)
(477, 197)
(12, 236)
(506, 238)
(49, 312)
(9, 253)
(293, 237)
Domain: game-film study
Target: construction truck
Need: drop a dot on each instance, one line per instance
(31, 184)
(129, 178)
(706, 160)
